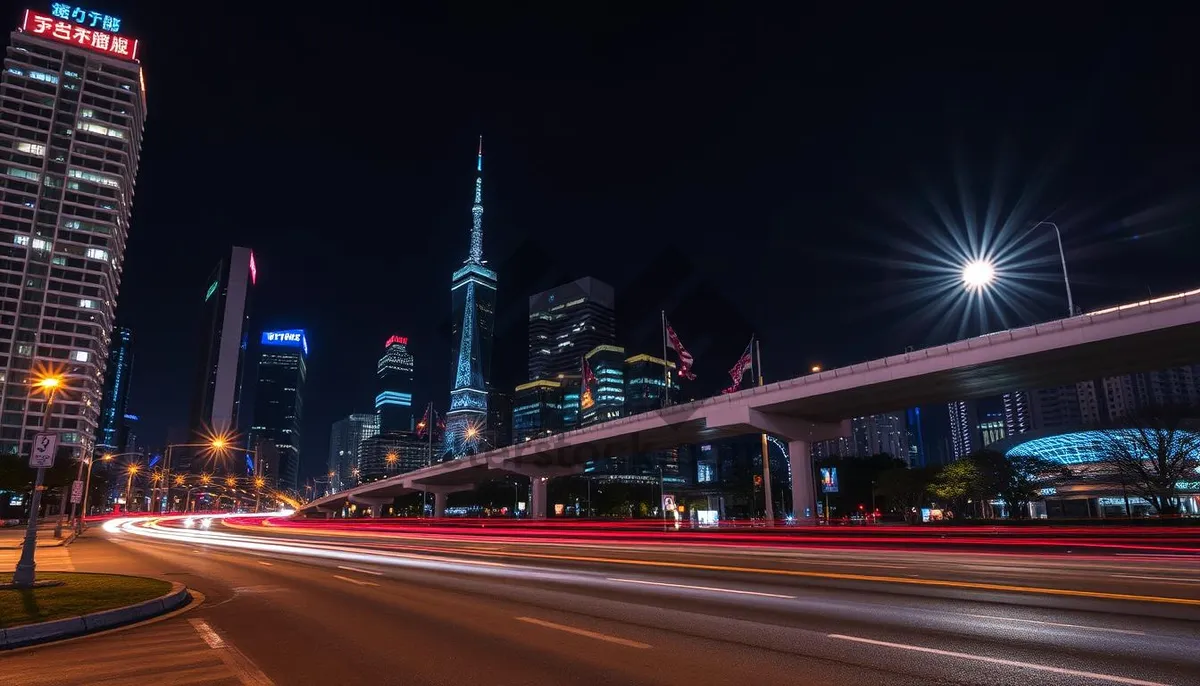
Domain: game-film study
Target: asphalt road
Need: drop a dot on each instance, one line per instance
(308, 608)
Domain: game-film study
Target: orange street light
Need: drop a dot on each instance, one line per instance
(816, 368)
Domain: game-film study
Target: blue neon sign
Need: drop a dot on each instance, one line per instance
(85, 17)
(290, 338)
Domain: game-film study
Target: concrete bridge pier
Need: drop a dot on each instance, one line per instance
(376, 504)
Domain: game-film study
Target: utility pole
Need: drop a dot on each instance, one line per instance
(768, 499)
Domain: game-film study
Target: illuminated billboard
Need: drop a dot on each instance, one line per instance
(829, 480)
(402, 340)
(81, 33)
(290, 338)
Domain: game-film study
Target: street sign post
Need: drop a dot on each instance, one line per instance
(668, 503)
(76, 492)
(44, 447)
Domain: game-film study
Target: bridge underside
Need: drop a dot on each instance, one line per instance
(1128, 354)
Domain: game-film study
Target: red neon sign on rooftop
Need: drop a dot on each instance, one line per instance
(402, 340)
(46, 26)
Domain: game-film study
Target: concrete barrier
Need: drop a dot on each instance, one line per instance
(43, 632)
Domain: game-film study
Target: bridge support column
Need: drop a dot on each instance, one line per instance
(439, 504)
(537, 496)
(804, 504)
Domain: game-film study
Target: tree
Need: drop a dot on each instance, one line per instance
(903, 488)
(1015, 479)
(956, 483)
(1153, 452)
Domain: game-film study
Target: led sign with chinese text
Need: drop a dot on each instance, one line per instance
(293, 338)
(402, 340)
(253, 270)
(106, 42)
(85, 17)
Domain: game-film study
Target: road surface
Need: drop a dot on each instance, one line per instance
(307, 607)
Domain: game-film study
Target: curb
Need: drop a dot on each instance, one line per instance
(96, 621)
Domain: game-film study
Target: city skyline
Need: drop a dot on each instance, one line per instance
(659, 223)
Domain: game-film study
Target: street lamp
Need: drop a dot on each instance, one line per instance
(978, 274)
(132, 469)
(1062, 256)
(48, 385)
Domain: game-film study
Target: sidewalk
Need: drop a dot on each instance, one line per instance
(12, 536)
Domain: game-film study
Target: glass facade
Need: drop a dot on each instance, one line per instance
(394, 452)
(393, 403)
(567, 322)
(66, 195)
(345, 439)
(279, 408)
(112, 436)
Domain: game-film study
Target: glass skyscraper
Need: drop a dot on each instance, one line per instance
(393, 403)
(111, 438)
(567, 322)
(74, 108)
(473, 302)
(345, 446)
(217, 393)
(279, 405)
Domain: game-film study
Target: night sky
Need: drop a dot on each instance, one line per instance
(789, 175)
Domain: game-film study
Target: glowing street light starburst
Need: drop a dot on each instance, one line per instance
(978, 274)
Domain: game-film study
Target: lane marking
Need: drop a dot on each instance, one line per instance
(840, 576)
(242, 667)
(1072, 626)
(355, 581)
(212, 638)
(1168, 579)
(702, 588)
(998, 661)
(265, 563)
(584, 632)
(360, 571)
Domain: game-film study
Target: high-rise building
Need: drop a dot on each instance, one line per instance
(603, 395)
(963, 417)
(394, 373)
(473, 301)
(646, 384)
(279, 404)
(217, 395)
(537, 410)
(115, 403)
(565, 323)
(74, 105)
(880, 433)
(345, 440)
(394, 452)
(500, 417)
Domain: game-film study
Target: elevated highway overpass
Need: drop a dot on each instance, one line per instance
(1141, 336)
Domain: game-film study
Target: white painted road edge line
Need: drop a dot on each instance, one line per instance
(245, 670)
(998, 661)
(268, 564)
(584, 632)
(1071, 626)
(360, 571)
(702, 588)
(355, 581)
(1168, 579)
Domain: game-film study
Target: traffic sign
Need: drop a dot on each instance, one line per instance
(44, 447)
(76, 491)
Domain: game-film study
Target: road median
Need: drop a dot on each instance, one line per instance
(121, 600)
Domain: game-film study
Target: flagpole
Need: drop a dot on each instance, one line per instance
(768, 500)
(666, 369)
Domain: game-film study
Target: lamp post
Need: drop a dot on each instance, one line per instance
(132, 470)
(87, 489)
(1062, 256)
(23, 574)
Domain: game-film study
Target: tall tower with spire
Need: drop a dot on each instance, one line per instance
(473, 299)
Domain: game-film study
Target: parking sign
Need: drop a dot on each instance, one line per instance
(44, 447)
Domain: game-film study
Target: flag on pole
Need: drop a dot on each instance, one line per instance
(739, 368)
(423, 425)
(685, 358)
